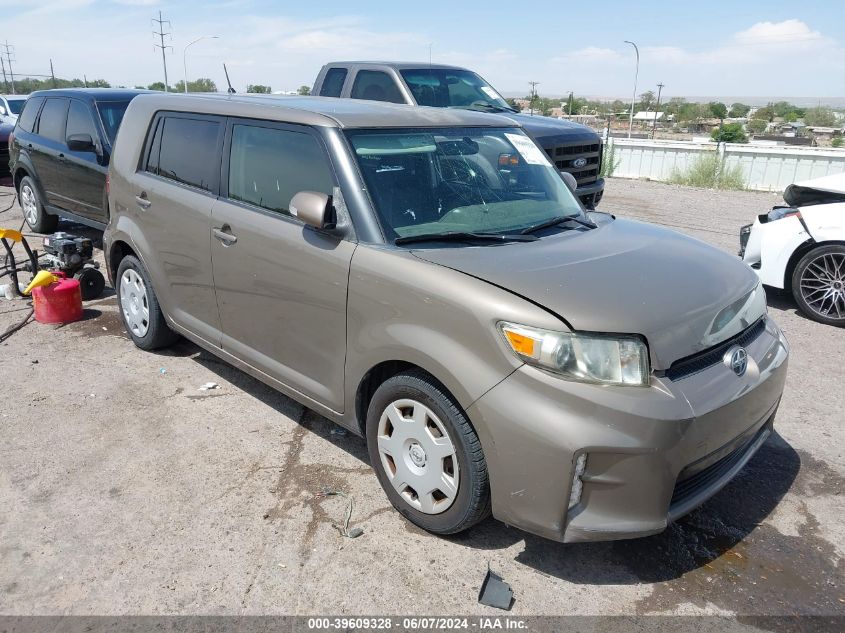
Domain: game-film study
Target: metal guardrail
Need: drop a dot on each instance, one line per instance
(765, 168)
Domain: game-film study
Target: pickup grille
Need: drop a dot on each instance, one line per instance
(565, 155)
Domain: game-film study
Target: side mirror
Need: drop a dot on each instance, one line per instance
(81, 143)
(313, 208)
(2, 111)
(569, 179)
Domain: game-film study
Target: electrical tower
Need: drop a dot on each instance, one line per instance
(7, 52)
(161, 35)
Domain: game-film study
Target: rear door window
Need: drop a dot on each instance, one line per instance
(333, 82)
(186, 150)
(376, 85)
(268, 166)
(51, 123)
(26, 121)
(79, 121)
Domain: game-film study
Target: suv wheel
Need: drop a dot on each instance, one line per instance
(427, 455)
(139, 308)
(33, 211)
(818, 284)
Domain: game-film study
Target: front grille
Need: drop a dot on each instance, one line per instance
(713, 355)
(689, 487)
(563, 155)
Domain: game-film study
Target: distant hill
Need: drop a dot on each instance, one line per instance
(804, 102)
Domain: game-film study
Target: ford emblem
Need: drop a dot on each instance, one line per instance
(579, 162)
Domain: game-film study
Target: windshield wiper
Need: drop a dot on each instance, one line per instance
(464, 236)
(559, 220)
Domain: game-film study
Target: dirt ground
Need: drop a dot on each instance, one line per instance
(126, 490)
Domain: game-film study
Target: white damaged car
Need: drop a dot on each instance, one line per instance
(800, 247)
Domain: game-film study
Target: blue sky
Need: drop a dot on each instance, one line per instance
(755, 47)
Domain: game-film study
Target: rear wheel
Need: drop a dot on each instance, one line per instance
(818, 284)
(142, 315)
(33, 210)
(427, 455)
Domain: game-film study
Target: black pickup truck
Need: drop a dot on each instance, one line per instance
(571, 147)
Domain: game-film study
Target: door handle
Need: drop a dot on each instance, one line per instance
(141, 200)
(224, 236)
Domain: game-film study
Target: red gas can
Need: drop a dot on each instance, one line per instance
(60, 302)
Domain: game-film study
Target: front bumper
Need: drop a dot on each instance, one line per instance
(653, 454)
(590, 194)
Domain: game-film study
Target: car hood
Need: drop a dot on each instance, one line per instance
(541, 127)
(816, 191)
(624, 277)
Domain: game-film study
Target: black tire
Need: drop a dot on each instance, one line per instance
(157, 333)
(91, 283)
(808, 275)
(36, 216)
(471, 504)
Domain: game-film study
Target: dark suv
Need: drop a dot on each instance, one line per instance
(59, 154)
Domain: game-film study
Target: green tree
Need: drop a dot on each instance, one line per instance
(646, 101)
(729, 133)
(718, 110)
(259, 89)
(765, 113)
(739, 110)
(156, 85)
(202, 84)
(304, 90)
(820, 116)
(836, 142)
(757, 126)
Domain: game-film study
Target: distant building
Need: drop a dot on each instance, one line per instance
(649, 116)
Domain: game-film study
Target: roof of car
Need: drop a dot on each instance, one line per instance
(399, 65)
(102, 94)
(324, 111)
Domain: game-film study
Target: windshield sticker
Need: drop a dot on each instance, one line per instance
(489, 92)
(528, 150)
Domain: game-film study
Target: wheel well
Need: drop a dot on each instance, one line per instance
(371, 381)
(796, 256)
(118, 251)
(20, 174)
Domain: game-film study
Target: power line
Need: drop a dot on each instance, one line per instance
(161, 34)
(8, 51)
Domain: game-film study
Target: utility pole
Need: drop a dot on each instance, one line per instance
(85, 80)
(570, 104)
(161, 34)
(52, 74)
(634, 97)
(533, 85)
(9, 50)
(656, 109)
(5, 81)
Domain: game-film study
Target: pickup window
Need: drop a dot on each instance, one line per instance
(376, 86)
(444, 88)
(333, 82)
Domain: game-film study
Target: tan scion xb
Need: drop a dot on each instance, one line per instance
(425, 278)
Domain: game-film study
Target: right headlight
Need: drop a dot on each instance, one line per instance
(612, 360)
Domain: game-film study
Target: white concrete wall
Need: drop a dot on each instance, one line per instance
(764, 168)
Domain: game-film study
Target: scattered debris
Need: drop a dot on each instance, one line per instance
(344, 529)
(161, 370)
(209, 385)
(495, 592)
(339, 431)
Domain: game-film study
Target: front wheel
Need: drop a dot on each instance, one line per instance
(426, 454)
(818, 284)
(33, 209)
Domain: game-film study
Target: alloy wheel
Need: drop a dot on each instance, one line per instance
(418, 456)
(133, 302)
(29, 205)
(823, 285)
